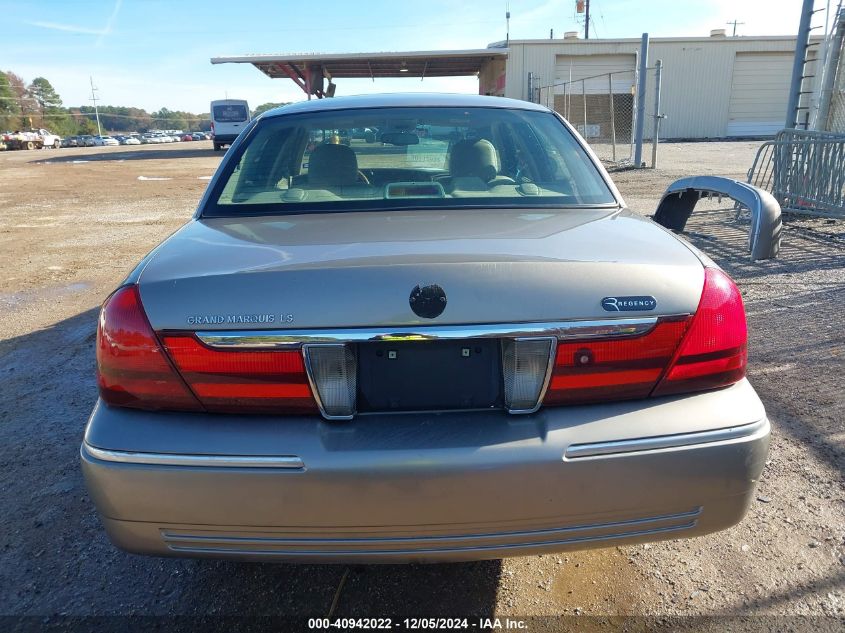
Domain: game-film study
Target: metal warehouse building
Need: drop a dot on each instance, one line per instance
(712, 87)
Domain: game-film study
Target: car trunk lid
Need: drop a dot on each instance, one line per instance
(360, 269)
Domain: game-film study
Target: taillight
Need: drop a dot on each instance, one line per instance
(135, 370)
(593, 371)
(705, 351)
(254, 381)
(714, 350)
(132, 369)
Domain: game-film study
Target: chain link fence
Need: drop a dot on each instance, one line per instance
(603, 108)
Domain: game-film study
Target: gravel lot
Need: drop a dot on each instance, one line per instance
(73, 222)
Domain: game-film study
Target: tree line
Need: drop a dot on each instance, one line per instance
(37, 104)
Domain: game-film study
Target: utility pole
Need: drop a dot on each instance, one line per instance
(735, 23)
(96, 111)
(507, 25)
(587, 21)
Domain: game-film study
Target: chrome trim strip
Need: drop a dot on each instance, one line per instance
(294, 339)
(602, 449)
(259, 538)
(598, 538)
(168, 459)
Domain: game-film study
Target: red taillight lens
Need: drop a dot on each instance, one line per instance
(135, 370)
(714, 350)
(705, 351)
(591, 371)
(257, 381)
(132, 369)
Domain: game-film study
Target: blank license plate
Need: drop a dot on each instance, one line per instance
(429, 375)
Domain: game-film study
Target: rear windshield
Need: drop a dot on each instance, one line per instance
(389, 158)
(233, 113)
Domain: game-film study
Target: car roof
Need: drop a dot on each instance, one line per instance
(404, 100)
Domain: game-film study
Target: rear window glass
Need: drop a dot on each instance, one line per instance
(388, 158)
(233, 113)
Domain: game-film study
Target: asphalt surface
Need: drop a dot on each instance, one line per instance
(73, 222)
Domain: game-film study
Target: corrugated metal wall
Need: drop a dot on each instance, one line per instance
(697, 74)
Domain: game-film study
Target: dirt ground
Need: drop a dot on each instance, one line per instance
(73, 223)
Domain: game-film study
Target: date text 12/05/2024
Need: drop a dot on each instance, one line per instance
(436, 624)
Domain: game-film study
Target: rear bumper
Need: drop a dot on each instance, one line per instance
(426, 487)
(224, 139)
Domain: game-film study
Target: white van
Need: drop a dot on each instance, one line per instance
(228, 118)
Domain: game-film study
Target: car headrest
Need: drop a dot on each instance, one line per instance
(474, 157)
(332, 165)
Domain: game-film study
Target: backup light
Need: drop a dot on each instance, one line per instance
(332, 371)
(525, 365)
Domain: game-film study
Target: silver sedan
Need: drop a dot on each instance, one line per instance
(454, 345)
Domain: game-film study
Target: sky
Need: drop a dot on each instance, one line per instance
(155, 53)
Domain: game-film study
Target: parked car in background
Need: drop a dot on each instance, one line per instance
(156, 138)
(188, 137)
(129, 140)
(85, 140)
(471, 349)
(105, 141)
(70, 141)
(228, 118)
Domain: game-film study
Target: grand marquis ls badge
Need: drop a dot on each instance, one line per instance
(428, 301)
(628, 304)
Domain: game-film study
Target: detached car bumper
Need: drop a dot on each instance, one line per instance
(425, 487)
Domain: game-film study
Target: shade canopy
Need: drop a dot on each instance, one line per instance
(311, 70)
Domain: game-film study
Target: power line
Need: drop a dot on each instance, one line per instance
(140, 118)
(735, 23)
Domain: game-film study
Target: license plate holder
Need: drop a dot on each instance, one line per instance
(429, 375)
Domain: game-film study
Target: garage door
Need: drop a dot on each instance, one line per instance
(576, 67)
(759, 93)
